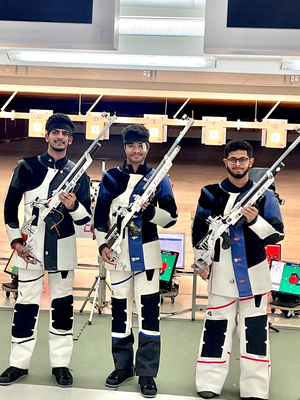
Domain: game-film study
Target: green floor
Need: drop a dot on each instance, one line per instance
(92, 360)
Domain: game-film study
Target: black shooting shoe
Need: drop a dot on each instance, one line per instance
(148, 386)
(207, 395)
(12, 375)
(63, 376)
(118, 377)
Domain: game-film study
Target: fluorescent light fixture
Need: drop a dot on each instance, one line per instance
(164, 3)
(154, 26)
(104, 60)
(290, 64)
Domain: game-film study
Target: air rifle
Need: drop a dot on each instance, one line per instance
(125, 215)
(219, 225)
(30, 231)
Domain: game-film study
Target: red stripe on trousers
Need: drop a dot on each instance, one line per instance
(216, 308)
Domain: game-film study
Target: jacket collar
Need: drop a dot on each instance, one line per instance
(143, 169)
(230, 187)
(49, 162)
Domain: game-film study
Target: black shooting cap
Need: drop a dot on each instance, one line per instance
(135, 133)
(60, 121)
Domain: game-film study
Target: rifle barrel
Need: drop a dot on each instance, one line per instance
(170, 155)
(89, 151)
(271, 169)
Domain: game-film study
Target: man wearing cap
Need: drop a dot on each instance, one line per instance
(136, 274)
(36, 178)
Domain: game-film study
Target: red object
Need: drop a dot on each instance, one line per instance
(164, 266)
(273, 252)
(293, 279)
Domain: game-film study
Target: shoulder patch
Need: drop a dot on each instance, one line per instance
(29, 162)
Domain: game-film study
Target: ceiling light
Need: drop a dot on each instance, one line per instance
(154, 26)
(164, 3)
(290, 64)
(104, 60)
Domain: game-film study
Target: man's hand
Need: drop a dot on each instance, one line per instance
(203, 272)
(23, 253)
(68, 199)
(148, 210)
(250, 213)
(144, 206)
(105, 254)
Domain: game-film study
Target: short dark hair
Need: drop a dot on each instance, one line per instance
(238, 144)
(135, 133)
(60, 121)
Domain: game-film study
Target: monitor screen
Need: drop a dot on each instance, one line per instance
(169, 260)
(285, 276)
(174, 242)
(274, 14)
(59, 24)
(254, 30)
(66, 11)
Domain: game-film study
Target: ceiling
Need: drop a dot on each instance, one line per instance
(241, 80)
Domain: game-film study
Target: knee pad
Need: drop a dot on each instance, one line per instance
(257, 300)
(214, 338)
(256, 335)
(149, 274)
(62, 313)
(64, 274)
(24, 321)
(119, 315)
(150, 311)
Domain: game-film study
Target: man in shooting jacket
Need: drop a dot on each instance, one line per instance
(135, 276)
(53, 250)
(238, 277)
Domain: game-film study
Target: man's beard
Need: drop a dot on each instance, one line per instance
(238, 176)
(133, 161)
(57, 148)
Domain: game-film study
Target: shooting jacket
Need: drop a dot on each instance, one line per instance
(242, 270)
(37, 178)
(117, 188)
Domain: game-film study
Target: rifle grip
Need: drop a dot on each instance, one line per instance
(227, 241)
